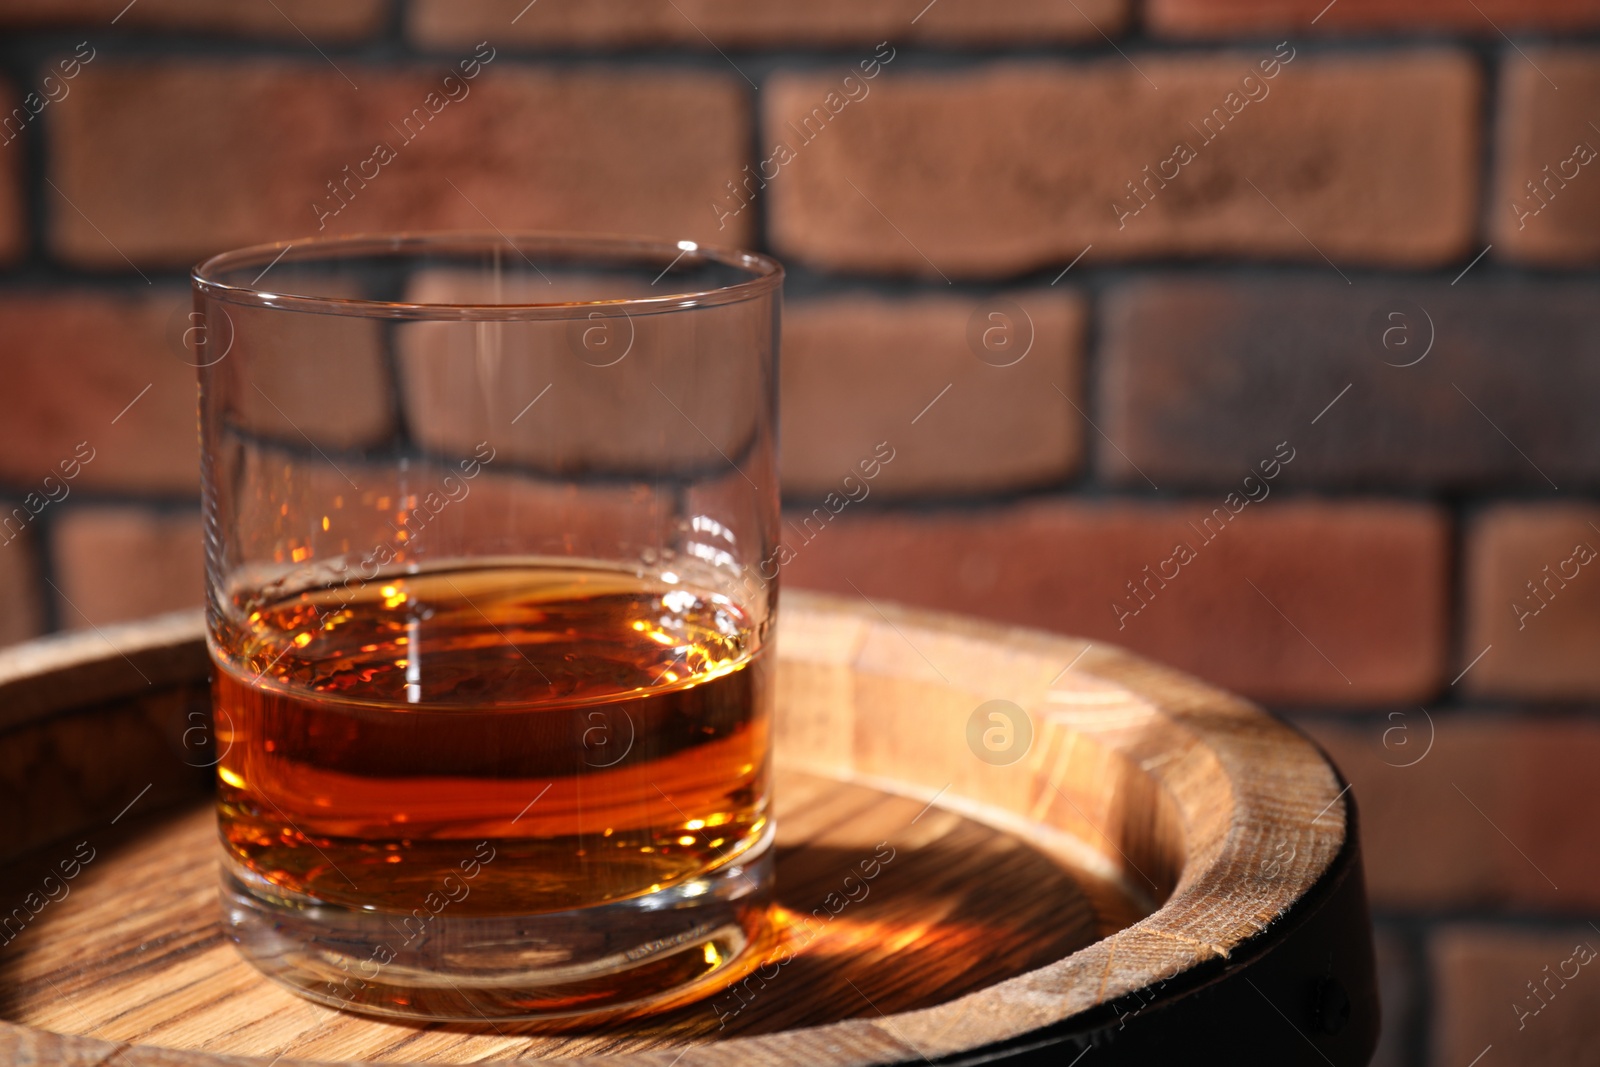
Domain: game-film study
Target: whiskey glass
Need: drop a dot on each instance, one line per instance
(489, 523)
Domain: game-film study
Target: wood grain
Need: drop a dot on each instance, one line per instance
(1153, 824)
(142, 918)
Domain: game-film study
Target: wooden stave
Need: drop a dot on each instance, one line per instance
(57, 677)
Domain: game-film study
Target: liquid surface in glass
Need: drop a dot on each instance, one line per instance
(562, 736)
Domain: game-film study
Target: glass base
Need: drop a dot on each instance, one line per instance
(612, 960)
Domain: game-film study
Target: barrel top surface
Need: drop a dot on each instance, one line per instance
(1148, 824)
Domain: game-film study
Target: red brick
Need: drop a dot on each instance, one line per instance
(858, 370)
(81, 358)
(1494, 813)
(119, 563)
(1016, 166)
(1543, 640)
(174, 160)
(1486, 18)
(1200, 375)
(673, 401)
(21, 615)
(342, 21)
(1399, 993)
(278, 382)
(13, 210)
(703, 24)
(1364, 583)
(1540, 127)
(1481, 975)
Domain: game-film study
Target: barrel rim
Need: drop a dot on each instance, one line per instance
(1214, 919)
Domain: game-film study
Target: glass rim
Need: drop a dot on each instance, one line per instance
(765, 273)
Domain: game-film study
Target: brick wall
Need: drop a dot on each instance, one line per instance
(1307, 289)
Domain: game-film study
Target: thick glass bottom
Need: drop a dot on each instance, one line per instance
(622, 958)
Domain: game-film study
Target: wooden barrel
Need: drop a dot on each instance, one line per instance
(1007, 846)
